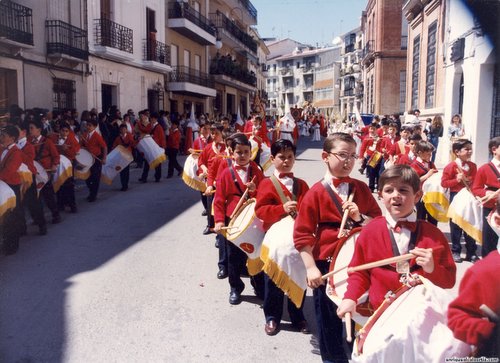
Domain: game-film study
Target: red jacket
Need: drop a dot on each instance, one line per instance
(269, 206)
(174, 139)
(486, 179)
(70, 147)
(420, 168)
(95, 144)
(478, 286)
(227, 194)
(216, 168)
(374, 244)
(201, 142)
(367, 144)
(208, 155)
(388, 144)
(28, 152)
(158, 135)
(449, 178)
(10, 164)
(313, 225)
(45, 152)
(127, 141)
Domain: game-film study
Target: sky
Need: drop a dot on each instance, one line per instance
(307, 21)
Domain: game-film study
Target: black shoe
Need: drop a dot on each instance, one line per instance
(73, 209)
(123, 189)
(143, 180)
(168, 176)
(216, 243)
(91, 199)
(207, 230)
(204, 213)
(456, 257)
(179, 173)
(235, 296)
(157, 180)
(471, 258)
(42, 230)
(222, 274)
(56, 219)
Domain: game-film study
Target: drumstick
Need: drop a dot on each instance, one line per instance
(344, 217)
(466, 185)
(241, 201)
(490, 314)
(386, 261)
(331, 273)
(348, 327)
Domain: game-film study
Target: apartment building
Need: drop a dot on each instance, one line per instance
(351, 78)
(326, 90)
(384, 57)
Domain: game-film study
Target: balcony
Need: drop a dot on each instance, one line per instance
(66, 41)
(113, 40)
(16, 25)
(156, 56)
(231, 33)
(245, 9)
(190, 23)
(309, 68)
(404, 42)
(190, 81)
(349, 48)
(368, 51)
(227, 71)
(348, 92)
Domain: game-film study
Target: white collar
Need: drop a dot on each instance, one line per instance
(392, 222)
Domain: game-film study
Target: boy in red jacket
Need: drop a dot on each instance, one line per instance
(231, 185)
(487, 187)
(126, 140)
(456, 175)
(158, 135)
(316, 232)
(271, 208)
(397, 233)
(95, 144)
(173, 144)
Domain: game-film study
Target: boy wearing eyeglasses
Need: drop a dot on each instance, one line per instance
(317, 227)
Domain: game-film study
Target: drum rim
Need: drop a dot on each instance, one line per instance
(234, 236)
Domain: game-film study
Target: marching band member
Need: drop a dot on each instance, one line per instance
(458, 174)
(389, 141)
(67, 145)
(271, 208)
(397, 233)
(158, 135)
(125, 139)
(199, 144)
(316, 232)
(10, 161)
(95, 144)
(47, 155)
(486, 186)
(402, 146)
(370, 148)
(407, 159)
(231, 184)
(173, 145)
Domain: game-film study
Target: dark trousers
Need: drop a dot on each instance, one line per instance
(66, 194)
(273, 304)
(11, 226)
(330, 326)
(210, 217)
(49, 197)
(236, 266)
(373, 174)
(222, 243)
(423, 214)
(145, 171)
(456, 235)
(172, 161)
(34, 206)
(204, 201)
(94, 179)
(490, 238)
(125, 176)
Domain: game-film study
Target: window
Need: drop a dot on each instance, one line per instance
(431, 66)
(64, 93)
(415, 72)
(372, 97)
(402, 90)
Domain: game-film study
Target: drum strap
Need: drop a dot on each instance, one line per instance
(411, 245)
(279, 189)
(335, 198)
(235, 179)
(495, 170)
(39, 152)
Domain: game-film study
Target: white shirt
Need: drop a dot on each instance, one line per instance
(286, 181)
(463, 166)
(21, 142)
(424, 163)
(342, 189)
(496, 163)
(402, 237)
(243, 173)
(4, 153)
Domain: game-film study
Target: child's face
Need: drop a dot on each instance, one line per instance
(34, 131)
(464, 153)
(399, 198)
(64, 132)
(412, 146)
(205, 131)
(90, 127)
(123, 131)
(425, 155)
(242, 154)
(496, 152)
(283, 161)
(405, 134)
(6, 139)
(391, 131)
(340, 160)
(372, 131)
(217, 136)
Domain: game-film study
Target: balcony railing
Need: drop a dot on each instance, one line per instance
(348, 92)
(64, 38)
(222, 21)
(369, 48)
(404, 42)
(190, 75)
(110, 34)
(226, 66)
(16, 22)
(177, 10)
(349, 48)
(156, 51)
(250, 8)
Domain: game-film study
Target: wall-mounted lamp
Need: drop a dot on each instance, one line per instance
(218, 43)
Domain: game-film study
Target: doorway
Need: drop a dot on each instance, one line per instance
(108, 97)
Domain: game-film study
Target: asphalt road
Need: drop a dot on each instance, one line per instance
(131, 278)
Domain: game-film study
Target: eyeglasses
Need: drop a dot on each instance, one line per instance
(344, 156)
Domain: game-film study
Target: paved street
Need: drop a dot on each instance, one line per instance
(131, 278)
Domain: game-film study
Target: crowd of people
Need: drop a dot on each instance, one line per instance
(230, 159)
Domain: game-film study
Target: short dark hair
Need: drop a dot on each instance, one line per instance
(216, 127)
(37, 123)
(415, 137)
(93, 122)
(63, 125)
(402, 172)
(460, 144)
(122, 126)
(282, 145)
(331, 140)
(12, 131)
(239, 139)
(495, 142)
(155, 115)
(423, 146)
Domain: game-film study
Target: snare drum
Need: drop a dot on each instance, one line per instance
(7, 198)
(265, 156)
(26, 177)
(118, 159)
(246, 231)
(153, 154)
(337, 284)
(436, 198)
(41, 176)
(64, 172)
(84, 161)
(410, 325)
(254, 148)
(374, 159)
(190, 175)
(467, 213)
(282, 261)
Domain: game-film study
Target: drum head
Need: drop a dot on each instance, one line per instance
(242, 220)
(84, 157)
